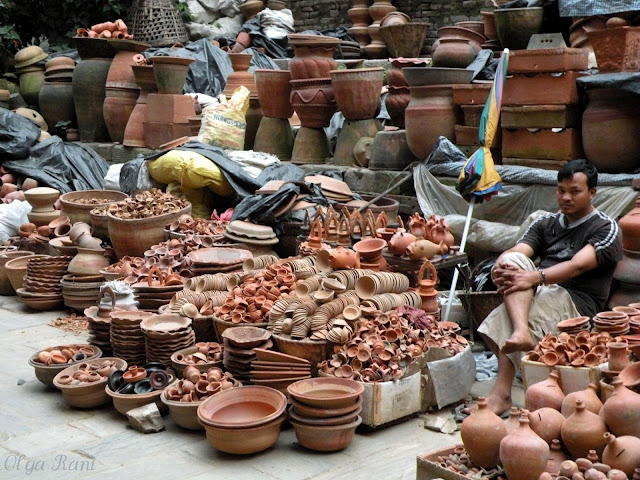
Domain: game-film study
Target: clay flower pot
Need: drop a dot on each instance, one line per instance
(171, 73)
(357, 92)
(516, 25)
(274, 92)
(314, 101)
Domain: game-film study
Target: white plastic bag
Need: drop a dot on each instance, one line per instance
(12, 215)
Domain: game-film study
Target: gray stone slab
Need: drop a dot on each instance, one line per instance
(40, 443)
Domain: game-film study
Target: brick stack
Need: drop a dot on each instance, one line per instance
(167, 118)
(540, 109)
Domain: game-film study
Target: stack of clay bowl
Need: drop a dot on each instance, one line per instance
(278, 370)
(573, 326)
(239, 344)
(41, 200)
(126, 336)
(614, 323)
(42, 289)
(165, 334)
(81, 291)
(259, 236)
(59, 70)
(214, 260)
(387, 301)
(381, 282)
(100, 327)
(324, 412)
(333, 189)
(153, 294)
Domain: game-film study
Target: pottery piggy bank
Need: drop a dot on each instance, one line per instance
(421, 249)
(343, 258)
(400, 241)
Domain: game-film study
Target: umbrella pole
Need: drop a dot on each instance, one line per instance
(463, 242)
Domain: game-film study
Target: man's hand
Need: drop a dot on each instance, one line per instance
(509, 278)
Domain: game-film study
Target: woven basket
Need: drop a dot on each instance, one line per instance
(156, 22)
(481, 304)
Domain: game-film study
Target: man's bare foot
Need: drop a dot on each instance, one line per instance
(518, 343)
(497, 403)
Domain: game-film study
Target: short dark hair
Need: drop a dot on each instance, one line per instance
(576, 166)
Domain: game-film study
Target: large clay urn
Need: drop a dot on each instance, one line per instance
(544, 394)
(630, 226)
(621, 411)
(88, 261)
(146, 80)
(481, 433)
(622, 452)
(430, 114)
(357, 91)
(610, 124)
(588, 397)
(453, 53)
(547, 423)
(274, 92)
(523, 454)
(313, 56)
(56, 103)
(583, 431)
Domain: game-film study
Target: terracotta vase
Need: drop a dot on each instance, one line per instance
(583, 431)
(359, 16)
(618, 355)
(544, 394)
(396, 102)
(430, 114)
(556, 457)
(546, 422)
(357, 92)
(170, 73)
(314, 101)
(453, 53)
(88, 262)
(588, 397)
(622, 452)
(481, 433)
(313, 56)
(523, 454)
(89, 78)
(134, 132)
(240, 75)
(621, 411)
(274, 92)
(609, 124)
(378, 10)
(513, 421)
(630, 226)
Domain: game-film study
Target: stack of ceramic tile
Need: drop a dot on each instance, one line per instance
(217, 259)
(166, 334)
(250, 233)
(239, 349)
(42, 289)
(331, 188)
(540, 114)
(614, 323)
(278, 370)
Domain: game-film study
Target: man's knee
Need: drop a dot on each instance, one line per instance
(519, 260)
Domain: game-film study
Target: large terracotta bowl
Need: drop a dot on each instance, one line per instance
(125, 402)
(80, 212)
(88, 395)
(244, 441)
(17, 268)
(185, 414)
(5, 284)
(326, 392)
(46, 373)
(325, 438)
(243, 407)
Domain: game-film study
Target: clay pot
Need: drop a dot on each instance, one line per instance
(313, 56)
(274, 92)
(430, 114)
(513, 421)
(89, 78)
(618, 356)
(516, 25)
(5, 284)
(240, 76)
(544, 394)
(546, 422)
(396, 102)
(588, 397)
(56, 103)
(421, 249)
(583, 431)
(370, 249)
(88, 262)
(611, 115)
(556, 457)
(622, 453)
(621, 411)
(481, 433)
(357, 92)
(314, 101)
(400, 241)
(170, 73)
(453, 53)
(523, 454)
(146, 80)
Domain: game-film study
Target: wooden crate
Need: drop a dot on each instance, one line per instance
(428, 467)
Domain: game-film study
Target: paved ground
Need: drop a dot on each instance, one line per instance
(41, 437)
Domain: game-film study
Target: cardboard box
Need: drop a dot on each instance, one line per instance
(572, 379)
(428, 467)
(384, 402)
(447, 379)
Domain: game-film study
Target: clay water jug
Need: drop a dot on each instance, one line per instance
(583, 431)
(589, 398)
(547, 423)
(622, 453)
(544, 394)
(621, 411)
(513, 422)
(481, 434)
(556, 457)
(523, 454)
(630, 226)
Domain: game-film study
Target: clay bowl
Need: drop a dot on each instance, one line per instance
(325, 438)
(46, 373)
(221, 326)
(326, 392)
(17, 268)
(241, 408)
(310, 412)
(5, 257)
(185, 414)
(80, 212)
(630, 375)
(89, 395)
(326, 421)
(246, 337)
(370, 249)
(124, 402)
(244, 441)
(180, 366)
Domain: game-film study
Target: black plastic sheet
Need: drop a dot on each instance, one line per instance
(17, 135)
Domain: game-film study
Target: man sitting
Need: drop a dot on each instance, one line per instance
(578, 249)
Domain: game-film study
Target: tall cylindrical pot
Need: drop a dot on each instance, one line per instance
(89, 78)
(56, 103)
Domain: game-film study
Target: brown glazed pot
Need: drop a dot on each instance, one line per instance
(523, 454)
(583, 431)
(88, 83)
(621, 411)
(430, 114)
(357, 92)
(274, 92)
(622, 453)
(146, 80)
(481, 433)
(630, 226)
(544, 394)
(314, 101)
(609, 126)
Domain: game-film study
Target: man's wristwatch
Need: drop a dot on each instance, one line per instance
(543, 277)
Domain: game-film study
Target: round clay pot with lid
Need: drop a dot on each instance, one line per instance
(481, 433)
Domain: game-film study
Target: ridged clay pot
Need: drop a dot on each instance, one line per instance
(621, 411)
(481, 433)
(313, 57)
(544, 394)
(524, 454)
(583, 431)
(314, 101)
